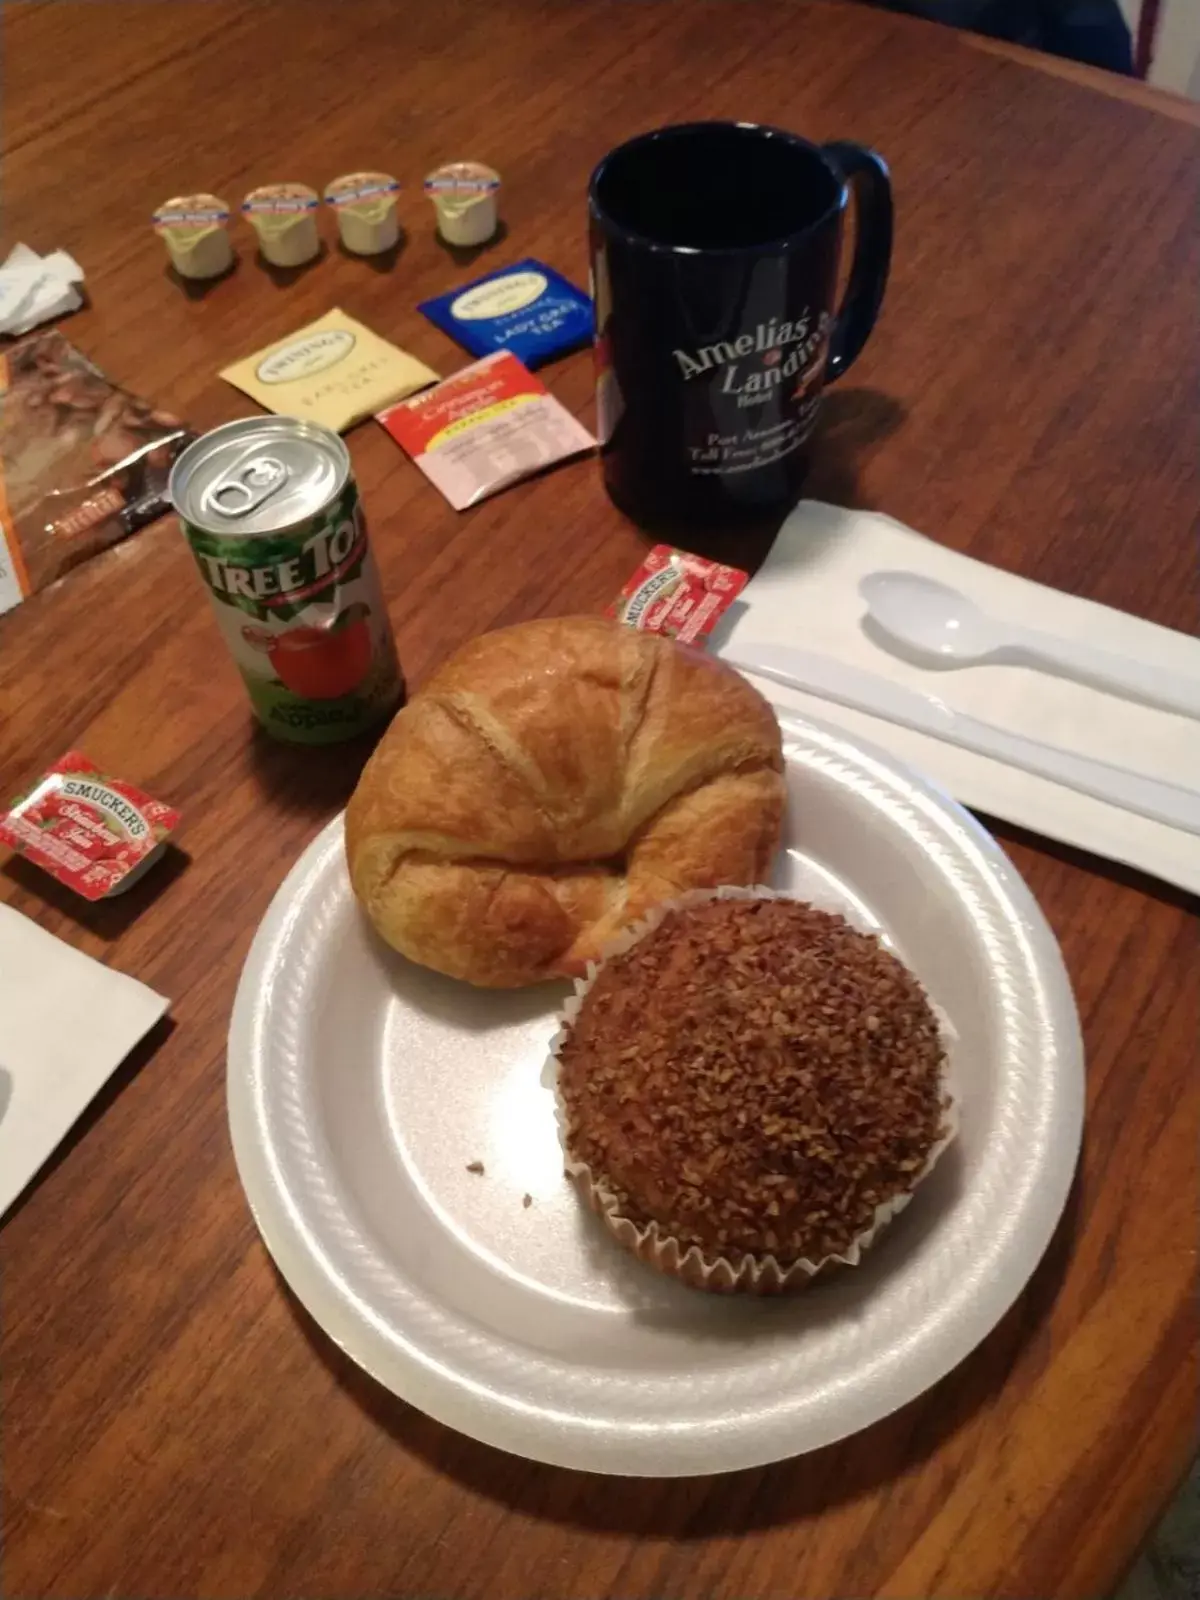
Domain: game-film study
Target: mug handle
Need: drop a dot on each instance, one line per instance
(867, 175)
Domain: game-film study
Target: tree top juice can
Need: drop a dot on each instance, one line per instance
(271, 511)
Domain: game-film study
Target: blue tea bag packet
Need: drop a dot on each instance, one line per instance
(528, 309)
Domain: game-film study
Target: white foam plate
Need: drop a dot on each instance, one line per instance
(361, 1088)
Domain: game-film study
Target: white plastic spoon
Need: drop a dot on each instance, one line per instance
(931, 622)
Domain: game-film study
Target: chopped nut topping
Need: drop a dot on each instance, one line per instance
(754, 1076)
(476, 1167)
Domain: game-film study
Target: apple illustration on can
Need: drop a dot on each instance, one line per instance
(319, 662)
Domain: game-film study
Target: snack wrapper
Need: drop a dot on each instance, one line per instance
(83, 463)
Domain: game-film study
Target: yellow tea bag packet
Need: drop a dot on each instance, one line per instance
(334, 371)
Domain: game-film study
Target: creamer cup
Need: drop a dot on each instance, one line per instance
(194, 228)
(284, 215)
(465, 197)
(365, 206)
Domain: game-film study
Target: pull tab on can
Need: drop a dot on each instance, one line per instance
(246, 488)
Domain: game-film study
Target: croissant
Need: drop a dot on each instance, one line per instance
(551, 783)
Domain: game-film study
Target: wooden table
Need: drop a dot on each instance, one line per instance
(174, 1425)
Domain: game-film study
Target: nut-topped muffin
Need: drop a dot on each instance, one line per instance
(751, 1089)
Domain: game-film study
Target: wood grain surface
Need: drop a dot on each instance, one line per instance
(173, 1423)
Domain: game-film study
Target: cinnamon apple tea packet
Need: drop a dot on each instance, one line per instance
(485, 428)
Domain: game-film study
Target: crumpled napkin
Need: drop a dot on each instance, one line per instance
(66, 1024)
(35, 288)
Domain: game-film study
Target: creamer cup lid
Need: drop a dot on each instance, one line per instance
(280, 200)
(191, 213)
(357, 187)
(461, 180)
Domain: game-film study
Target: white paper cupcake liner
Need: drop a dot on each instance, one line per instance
(752, 1274)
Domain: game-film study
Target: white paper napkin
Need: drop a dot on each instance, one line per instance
(35, 288)
(807, 595)
(66, 1024)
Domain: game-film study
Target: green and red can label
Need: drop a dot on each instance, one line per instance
(303, 615)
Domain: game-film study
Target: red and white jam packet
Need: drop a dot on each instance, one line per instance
(678, 594)
(485, 428)
(94, 833)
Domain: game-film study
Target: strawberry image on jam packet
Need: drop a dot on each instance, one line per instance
(678, 594)
(95, 834)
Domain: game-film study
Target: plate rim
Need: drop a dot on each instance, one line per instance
(503, 1420)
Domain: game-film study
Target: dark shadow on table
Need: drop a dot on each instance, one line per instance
(1008, 833)
(732, 1502)
(284, 277)
(106, 918)
(463, 255)
(125, 1074)
(382, 260)
(851, 426)
(311, 780)
(197, 288)
(852, 423)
